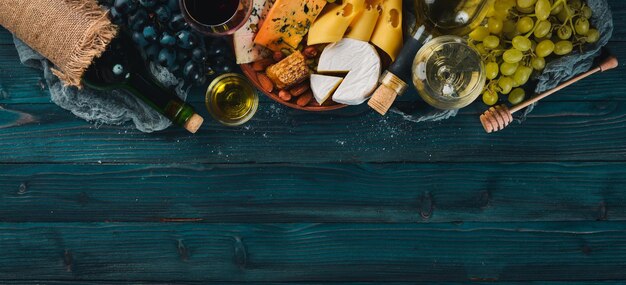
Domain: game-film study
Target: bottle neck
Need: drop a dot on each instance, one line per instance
(121, 67)
(401, 67)
(144, 86)
(422, 34)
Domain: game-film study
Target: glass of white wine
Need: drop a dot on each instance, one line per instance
(448, 73)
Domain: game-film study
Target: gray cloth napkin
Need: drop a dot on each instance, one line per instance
(566, 67)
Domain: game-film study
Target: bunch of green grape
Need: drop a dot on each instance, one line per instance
(520, 35)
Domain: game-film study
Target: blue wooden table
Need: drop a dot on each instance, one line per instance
(305, 198)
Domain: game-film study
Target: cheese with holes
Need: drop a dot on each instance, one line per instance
(332, 25)
(323, 86)
(388, 33)
(362, 63)
(246, 50)
(364, 24)
(287, 22)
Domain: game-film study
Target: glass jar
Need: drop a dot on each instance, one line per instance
(231, 99)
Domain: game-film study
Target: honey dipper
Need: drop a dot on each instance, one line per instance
(499, 117)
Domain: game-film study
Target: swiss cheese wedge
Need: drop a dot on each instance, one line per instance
(332, 25)
(287, 22)
(246, 50)
(364, 24)
(388, 33)
(362, 63)
(323, 86)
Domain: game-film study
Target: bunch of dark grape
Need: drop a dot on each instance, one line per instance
(221, 57)
(159, 29)
(521, 34)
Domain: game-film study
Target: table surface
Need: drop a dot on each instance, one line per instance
(305, 198)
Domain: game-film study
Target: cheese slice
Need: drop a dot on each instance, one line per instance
(323, 86)
(364, 24)
(388, 33)
(287, 23)
(331, 26)
(362, 63)
(246, 50)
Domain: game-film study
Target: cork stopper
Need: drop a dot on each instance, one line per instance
(382, 99)
(391, 87)
(193, 124)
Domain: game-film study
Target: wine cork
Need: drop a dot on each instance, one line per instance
(69, 33)
(193, 124)
(382, 99)
(391, 87)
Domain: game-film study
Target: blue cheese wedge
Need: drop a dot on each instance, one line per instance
(323, 86)
(246, 51)
(362, 63)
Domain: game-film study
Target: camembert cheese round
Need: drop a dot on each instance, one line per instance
(362, 64)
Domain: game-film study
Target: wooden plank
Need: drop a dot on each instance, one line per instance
(618, 8)
(46, 282)
(5, 37)
(18, 83)
(397, 193)
(314, 252)
(580, 131)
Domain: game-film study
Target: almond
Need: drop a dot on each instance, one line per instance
(262, 64)
(265, 82)
(284, 95)
(310, 52)
(305, 99)
(300, 89)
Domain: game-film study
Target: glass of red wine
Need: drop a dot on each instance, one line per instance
(216, 17)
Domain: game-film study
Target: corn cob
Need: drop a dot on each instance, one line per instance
(289, 71)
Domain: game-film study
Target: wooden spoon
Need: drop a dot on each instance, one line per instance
(499, 117)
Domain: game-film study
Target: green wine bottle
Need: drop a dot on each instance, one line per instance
(121, 67)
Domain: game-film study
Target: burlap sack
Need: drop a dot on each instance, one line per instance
(70, 33)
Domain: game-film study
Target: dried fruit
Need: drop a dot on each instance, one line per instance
(300, 89)
(262, 64)
(284, 95)
(265, 82)
(305, 99)
(310, 52)
(278, 56)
